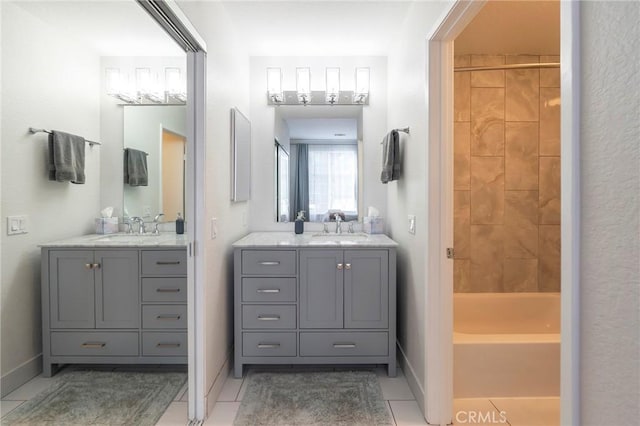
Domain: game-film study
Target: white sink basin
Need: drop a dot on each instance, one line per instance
(343, 238)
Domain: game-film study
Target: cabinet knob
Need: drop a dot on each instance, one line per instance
(347, 266)
(340, 266)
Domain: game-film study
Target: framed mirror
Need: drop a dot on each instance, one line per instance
(159, 132)
(318, 161)
(241, 156)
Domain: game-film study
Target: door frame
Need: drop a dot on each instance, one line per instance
(438, 301)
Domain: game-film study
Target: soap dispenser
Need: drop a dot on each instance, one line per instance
(299, 222)
(179, 224)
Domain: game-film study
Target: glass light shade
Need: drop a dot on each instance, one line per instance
(172, 81)
(333, 81)
(303, 81)
(113, 81)
(362, 81)
(143, 80)
(274, 81)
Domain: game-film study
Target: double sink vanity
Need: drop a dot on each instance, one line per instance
(298, 299)
(114, 299)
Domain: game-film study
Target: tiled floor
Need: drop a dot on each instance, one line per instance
(400, 401)
(511, 411)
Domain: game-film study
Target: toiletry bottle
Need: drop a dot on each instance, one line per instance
(299, 222)
(179, 224)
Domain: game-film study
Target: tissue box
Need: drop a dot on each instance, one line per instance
(373, 225)
(107, 225)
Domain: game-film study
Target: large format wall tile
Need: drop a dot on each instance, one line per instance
(461, 279)
(522, 93)
(461, 223)
(549, 191)
(549, 77)
(487, 121)
(462, 90)
(549, 258)
(521, 225)
(487, 78)
(549, 121)
(487, 190)
(461, 155)
(487, 252)
(520, 275)
(521, 155)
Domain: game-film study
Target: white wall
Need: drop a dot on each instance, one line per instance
(610, 253)
(112, 122)
(408, 107)
(374, 119)
(227, 87)
(48, 81)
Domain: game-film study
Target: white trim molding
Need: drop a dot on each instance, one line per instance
(21, 375)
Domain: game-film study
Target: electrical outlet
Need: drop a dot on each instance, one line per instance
(412, 224)
(214, 228)
(16, 225)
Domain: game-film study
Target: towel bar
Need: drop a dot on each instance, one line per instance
(34, 130)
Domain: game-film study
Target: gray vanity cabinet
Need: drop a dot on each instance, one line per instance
(94, 289)
(343, 300)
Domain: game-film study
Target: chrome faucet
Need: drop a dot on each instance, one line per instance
(351, 230)
(140, 222)
(338, 219)
(156, 222)
(127, 221)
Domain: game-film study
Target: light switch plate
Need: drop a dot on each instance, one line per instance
(17, 225)
(412, 224)
(214, 228)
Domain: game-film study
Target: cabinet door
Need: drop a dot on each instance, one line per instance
(117, 289)
(321, 289)
(71, 289)
(366, 289)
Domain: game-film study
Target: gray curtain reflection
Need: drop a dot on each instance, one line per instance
(301, 181)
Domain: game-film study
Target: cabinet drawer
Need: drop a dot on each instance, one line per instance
(164, 316)
(269, 316)
(269, 262)
(95, 343)
(344, 344)
(268, 289)
(269, 344)
(164, 262)
(164, 344)
(164, 289)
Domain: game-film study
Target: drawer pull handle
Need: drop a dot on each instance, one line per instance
(268, 345)
(167, 290)
(344, 345)
(164, 262)
(268, 318)
(340, 266)
(268, 290)
(93, 345)
(168, 317)
(347, 266)
(168, 345)
(270, 263)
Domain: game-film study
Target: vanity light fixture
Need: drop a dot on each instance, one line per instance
(144, 87)
(117, 85)
(333, 85)
(174, 86)
(274, 84)
(303, 85)
(361, 93)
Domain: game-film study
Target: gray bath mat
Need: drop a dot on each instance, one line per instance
(329, 398)
(100, 398)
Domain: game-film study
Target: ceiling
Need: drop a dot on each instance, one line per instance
(513, 27)
(111, 28)
(323, 128)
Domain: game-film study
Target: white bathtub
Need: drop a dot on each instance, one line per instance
(506, 344)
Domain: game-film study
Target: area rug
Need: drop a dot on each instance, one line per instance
(327, 398)
(100, 398)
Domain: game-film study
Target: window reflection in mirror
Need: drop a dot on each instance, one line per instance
(317, 162)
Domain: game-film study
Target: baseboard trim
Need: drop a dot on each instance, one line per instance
(412, 378)
(20, 375)
(216, 387)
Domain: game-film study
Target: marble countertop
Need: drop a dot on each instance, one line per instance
(314, 239)
(164, 239)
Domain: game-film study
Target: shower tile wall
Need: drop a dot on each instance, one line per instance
(506, 176)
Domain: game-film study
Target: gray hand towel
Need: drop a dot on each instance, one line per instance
(390, 157)
(66, 157)
(135, 167)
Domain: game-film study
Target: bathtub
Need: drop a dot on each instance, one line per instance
(506, 345)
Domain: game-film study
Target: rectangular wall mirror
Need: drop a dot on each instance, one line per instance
(241, 156)
(318, 157)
